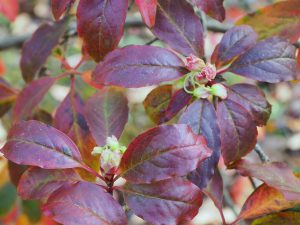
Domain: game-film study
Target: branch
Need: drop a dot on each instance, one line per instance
(261, 154)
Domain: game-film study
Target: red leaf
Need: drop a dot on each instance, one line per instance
(37, 49)
(201, 117)
(173, 201)
(39, 184)
(213, 8)
(264, 200)
(36, 144)
(107, 113)
(84, 203)
(138, 66)
(163, 152)
(148, 10)
(70, 119)
(7, 97)
(252, 99)
(272, 60)
(178, 26)
(235, 42)
(100, 25)
(9, 8)
(60, 6)
(275, 174)
(238, 131)
(282, 218)
(30, 97)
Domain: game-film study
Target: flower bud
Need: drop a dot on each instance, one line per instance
(193, 63)
(219, 90)
(112, 143)
(97, 150)
(201, 92)
(209, 72)
(110, 159)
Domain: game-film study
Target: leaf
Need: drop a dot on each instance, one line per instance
(70, 206)
(235, 42)
(36, 50)
(178, 26)
(162, 105)
(138, 66)
(7, 98)
(282, 218)
(252, 99)
(238, 131)
(214, 191)
(148, 10)
(8, 196)
(275, 174)
(173, 201)
(36, 144)
(70, 119)
(59, 7)
(30, 97)
(15, 172)
(271, 60)
(107, 113)
(100, 25)
(213, 8)
(39, 184)
(264, 200)
(281, 18)
(9, 8)
(161, 153)
(202, 119)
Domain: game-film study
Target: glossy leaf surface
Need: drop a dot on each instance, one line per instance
(148, 10)
(271, 60)
(37, 183)
(107, 113)
(201, 117)
(37, 49)
(252, 99)
(275, 174)
(84, 203)
(163, 152)
(265, 200)
(282, 218)
(171, 202)
(100, 25)
(70, 119)
(281, 18)
(178, 26)
(238, 132)
(213, 8)
(138, 66)
(59, 7)
(36, 144)
(235, 42)
(30, 97)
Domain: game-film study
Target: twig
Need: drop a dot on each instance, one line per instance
(260, 152)
(152, 41)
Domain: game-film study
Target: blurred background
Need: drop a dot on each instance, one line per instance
(280, 139)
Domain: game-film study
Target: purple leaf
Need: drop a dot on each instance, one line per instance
(178, 26)
(235, 42)
(213, 8)
(148, 10)
(70, 119)
(107, 113)
(238, 131)
(252, 99)
(37, 49)
(173, 201)
(163, 152)
(39, 184)
(30, 97)
(201, 117)
(60, 6)
(36, 144)
(272, 60)
(138, 66)
(100, 25)
(84, 203)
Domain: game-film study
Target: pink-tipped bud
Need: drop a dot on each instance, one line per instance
(209, 72)
(193, 63)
